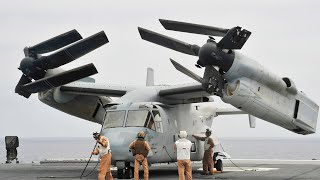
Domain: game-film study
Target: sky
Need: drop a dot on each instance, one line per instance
(284, 40)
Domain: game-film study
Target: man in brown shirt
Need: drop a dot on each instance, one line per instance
(207, 160)
(140, 149)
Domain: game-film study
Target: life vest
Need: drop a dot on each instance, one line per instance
(104, 150)
(206, 145)
(140, 147)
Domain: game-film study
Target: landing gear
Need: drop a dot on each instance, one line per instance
(219, 165)
(126, 173)
(120, 173)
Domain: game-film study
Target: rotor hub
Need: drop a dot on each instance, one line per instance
(28, 68)
(208, 55)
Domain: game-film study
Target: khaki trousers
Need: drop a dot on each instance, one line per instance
(141, 160)
(105, 163)
(207, 161)
(184, 166)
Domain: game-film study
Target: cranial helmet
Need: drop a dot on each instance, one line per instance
(208, 131)
(96, 135)
(141, 134)
(183, 134)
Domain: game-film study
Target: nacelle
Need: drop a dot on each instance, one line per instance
(263, 94)
(85, 107)
(296, 113)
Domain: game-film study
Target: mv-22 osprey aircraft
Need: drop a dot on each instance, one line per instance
(161, 111)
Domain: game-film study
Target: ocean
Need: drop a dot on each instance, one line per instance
(38, 149)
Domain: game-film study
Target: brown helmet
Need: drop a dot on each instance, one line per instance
(141, 134)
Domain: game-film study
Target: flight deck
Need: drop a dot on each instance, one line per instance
(256, 169)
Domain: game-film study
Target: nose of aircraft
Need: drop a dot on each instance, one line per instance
(120, 139)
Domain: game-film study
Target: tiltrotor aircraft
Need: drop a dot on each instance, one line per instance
(161, 111)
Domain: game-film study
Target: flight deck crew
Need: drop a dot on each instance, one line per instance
(183, 147)
(103, 148)
(141, 148)
(207, 161)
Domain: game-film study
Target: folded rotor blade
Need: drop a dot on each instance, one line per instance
(60, 79)
(192, 28)
(234, 39)
(186, 71)
(56, 42)
(72, 52)
(168, 42)
(23, 80)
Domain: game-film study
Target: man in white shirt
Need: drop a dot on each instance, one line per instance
(183, 147)
(103, 148)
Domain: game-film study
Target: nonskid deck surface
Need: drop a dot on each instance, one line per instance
(247, 170)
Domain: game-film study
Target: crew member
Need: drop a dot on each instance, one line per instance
(103, 148)
(207, 161)
(140, 149)
(183, 147)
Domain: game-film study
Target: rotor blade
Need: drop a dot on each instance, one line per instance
(234, 39)
(72, 52)
(23, 80)
(192, 28)
(56, 42)
(168, 42)
(60, 79)
(186, 71)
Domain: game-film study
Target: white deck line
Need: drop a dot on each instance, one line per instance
(272, 161)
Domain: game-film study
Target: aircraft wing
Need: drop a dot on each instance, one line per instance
(234, 111)
(184, 92)
(93, 89)
(229, 111)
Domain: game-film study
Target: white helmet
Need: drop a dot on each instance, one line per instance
(183, 134)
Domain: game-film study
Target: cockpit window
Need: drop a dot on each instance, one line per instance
(114, 119)
(157, 120)
(140, 118)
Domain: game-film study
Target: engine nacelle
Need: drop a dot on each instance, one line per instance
(82, 106)
(296, 113)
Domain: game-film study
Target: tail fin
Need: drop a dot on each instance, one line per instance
(150, 77)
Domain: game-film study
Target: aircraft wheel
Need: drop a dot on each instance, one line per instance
(219, 165)
(128, 172)
(120, 173)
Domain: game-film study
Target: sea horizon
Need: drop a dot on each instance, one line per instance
(36, 149)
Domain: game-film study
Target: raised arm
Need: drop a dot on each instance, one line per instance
(199, 137)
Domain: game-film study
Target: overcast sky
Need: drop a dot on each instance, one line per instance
(285, 39)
